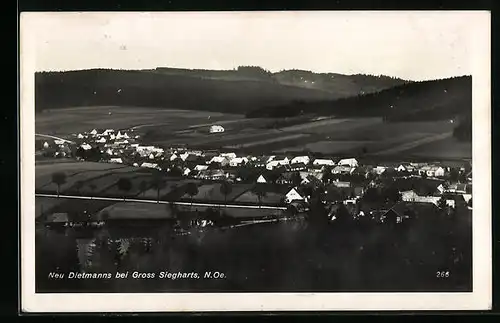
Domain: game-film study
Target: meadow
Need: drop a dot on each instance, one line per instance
(79, 119)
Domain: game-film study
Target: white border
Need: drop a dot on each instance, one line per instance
(479, 299)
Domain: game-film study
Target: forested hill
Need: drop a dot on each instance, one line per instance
(235, 91)
(427, 100)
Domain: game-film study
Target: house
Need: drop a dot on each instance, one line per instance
(272, 164)
(86, 146)
(216, 129)
(108, 132)
(341, 184)
(297, 167)
(79, 136)
(379, 170)
(200, 167)
(325, 162)
(294, 195)
(401, 168)
(342, 169)
(228, 155)
(412, 196)
(261, 179)
(110, 152)
(285, 178)
(222, 161)
(311, 180)
(237, 161)
(300, 160)
(186, 171)
(432, 171)
(93, 133)
(317, 168)
(101, 140)
(59, 142)
(352, 162)
(149, 165)
(46, 145)
(458, 188)
(116, 160)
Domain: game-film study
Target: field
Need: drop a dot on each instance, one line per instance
(136, 211)
(446, 148)
(73, 120)
(269, 198)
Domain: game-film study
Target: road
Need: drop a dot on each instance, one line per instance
(413, 144)
(77, 197)
(54, 137)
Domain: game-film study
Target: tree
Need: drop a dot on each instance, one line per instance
(454, 174)
(296, 179)
(79, 186)
(442, 203)
(192, 191)
(125, 185)
(327, 175)
(226, 189)
(58, 178)
(391, 194)
(159, 183)
(260, 191)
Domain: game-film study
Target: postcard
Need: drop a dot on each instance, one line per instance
(255, 161)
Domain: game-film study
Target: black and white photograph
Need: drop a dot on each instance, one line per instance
(246, 160)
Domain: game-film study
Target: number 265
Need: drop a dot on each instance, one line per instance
(442, 274)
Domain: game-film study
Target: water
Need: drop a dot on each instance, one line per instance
(290, 256)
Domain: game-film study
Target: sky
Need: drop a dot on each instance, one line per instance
(409, 45)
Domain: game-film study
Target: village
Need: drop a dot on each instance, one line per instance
(300, 180)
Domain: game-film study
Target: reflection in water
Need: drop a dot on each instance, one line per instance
(282, 256)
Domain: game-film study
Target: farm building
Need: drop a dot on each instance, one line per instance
(352, 162)
(216, 129)
(238, 161)
(294, 195)
(432, 171)
(300, 160)
(201, 167)
(343, 170)
(219, 160)
(326, 162)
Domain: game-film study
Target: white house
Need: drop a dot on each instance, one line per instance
(352, 162)
(379, 170)
(342, 169)
(186, 171)
(102, 140)
(432, 171)
(116, 160)
(80, 136)
(216, 129)
(261, 179)
(326, 162)
(238, 161)
(107, 132)
(219, 160)
(109, 151)
(228, 155)
(272, 164)
(86, 146)
(59, 142)
(93, 132)
(126, 136)
(149, 165)
(401, 168)
(119, 135)
(300, 159)
(112, 137)
(46, 145)
(293, 195)
(201, 167)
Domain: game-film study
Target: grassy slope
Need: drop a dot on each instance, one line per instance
(223, 91)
